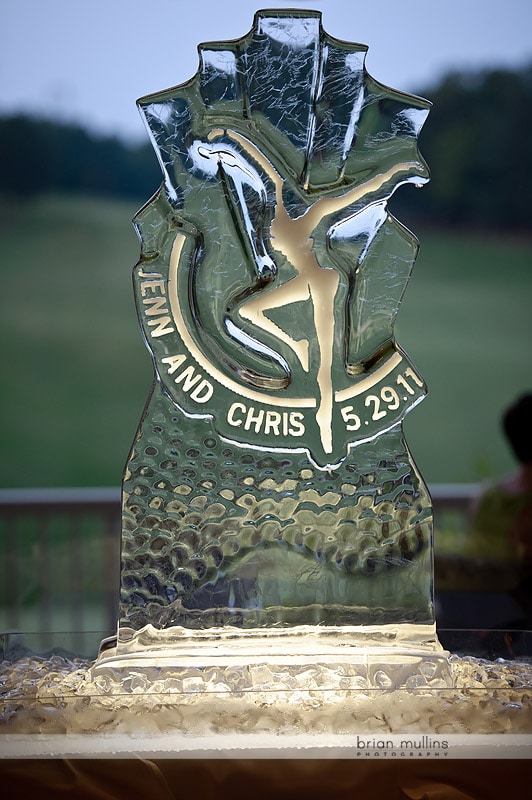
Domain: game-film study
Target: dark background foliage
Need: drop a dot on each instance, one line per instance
(476, 141)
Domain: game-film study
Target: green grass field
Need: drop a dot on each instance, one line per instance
(75, 373)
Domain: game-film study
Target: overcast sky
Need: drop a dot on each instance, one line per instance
(89, 60)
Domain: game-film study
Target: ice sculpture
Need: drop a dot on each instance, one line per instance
(271, 508)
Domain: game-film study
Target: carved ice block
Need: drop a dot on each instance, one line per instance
(270, 500)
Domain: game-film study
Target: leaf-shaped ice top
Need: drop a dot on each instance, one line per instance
(327, 123)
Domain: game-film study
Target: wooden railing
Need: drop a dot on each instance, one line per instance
(61, 555)
(61, 561)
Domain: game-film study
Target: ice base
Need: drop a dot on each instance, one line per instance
(55, 703)
(367, 657)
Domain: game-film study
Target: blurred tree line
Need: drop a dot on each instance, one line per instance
(476, 142)
(40, 155)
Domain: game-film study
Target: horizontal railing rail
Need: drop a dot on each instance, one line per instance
(443, 495)
(446, 493)
(104, 497)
